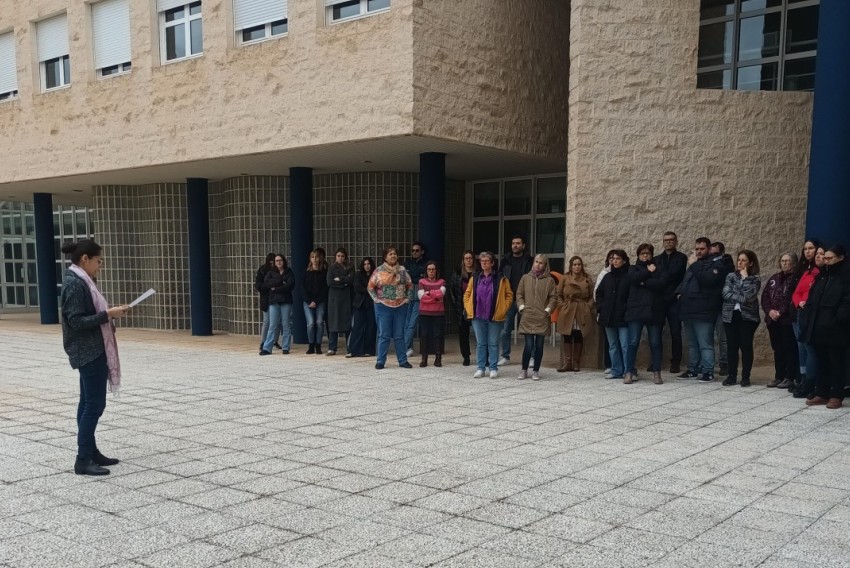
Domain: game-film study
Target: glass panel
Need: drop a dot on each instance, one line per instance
(51, 74)
(81, 224)
(17, 251)
(346, 10)
(17, 272)
(68, 223)
(280, 27)
(716, 8)
(32, 275)
(715, 44)
(33, 296)
(9, 269)
(196, 27)
(759, 36)
(758, 77)
(550, 235)
(521, 227)
(175, 14)
(750, 5)
(17, 225)
(7, 250)
(195, 8)
(66, 64)
(801, 33)
(715, 80)
(799, 75)
(486, 199)
(29, 223)
(518, 197)
(10, 296)
(7, 224)
(31, 251)
(255, 33)
(20, 296)
(377, 5)
(56, 223)
(551, 195)
(175, 42)
(485, 236)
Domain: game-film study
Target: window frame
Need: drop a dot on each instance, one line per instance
(187, 20)
(267, 32)
(64, 74)
(364, 12)
(122, 68)
(14, 93)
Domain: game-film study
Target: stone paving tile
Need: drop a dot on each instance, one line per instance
(193, 555)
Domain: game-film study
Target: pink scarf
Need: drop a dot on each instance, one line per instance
(109, 342)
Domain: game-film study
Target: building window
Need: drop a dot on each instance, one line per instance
(181, 29)
(256, 20)
(111, 35)
(54, 61)
(758, 45)
(343, 10)
(8, 69)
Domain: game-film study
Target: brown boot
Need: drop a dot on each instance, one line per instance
(438, 360)
(566, 357)
(577, 347)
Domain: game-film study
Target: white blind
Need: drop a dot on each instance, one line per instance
(335, 2)
(52, 37)
(8, 72)
(163, 5)
(111, 28)
(250, 13)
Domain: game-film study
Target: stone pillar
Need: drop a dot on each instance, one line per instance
(301, 239)
(829, 167)
(432, 202)
(200, 279)
(48, 304)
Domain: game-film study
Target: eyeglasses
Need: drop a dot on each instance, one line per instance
(417, 250)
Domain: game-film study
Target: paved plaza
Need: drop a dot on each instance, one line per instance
(230, 459)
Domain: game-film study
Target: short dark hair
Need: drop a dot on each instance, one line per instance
(419, 244)
(436, 266)
(837, 249)
(671, 234)
(621, 253)
(645, 246)
(518, 236)
(343, 251)
(720, 246)
(387, 250)
(705, 240)
(81, 248)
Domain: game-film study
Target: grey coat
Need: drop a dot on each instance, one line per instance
(340, 295)
(81, 335)
(743, 291)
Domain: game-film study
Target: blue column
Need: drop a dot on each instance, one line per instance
(48, 303)
(301, 241)
(829, 167)
(200, 280)
(432, 206)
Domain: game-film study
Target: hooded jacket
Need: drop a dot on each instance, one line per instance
(777, 296)
(536, 296)
(701, 291)
(612, 297)
(646, 295)
(828, 307)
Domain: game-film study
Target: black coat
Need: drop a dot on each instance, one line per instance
(456, 290)
(340, 294)
(828, 307)
(362, 299)
(671, 268)
(646, 295)
(315, 286)
(279, 286)
(82, 337)
(259, 278)
(702, 289)
(612, 297)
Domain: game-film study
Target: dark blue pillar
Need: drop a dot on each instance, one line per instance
(432, 206)
(829, 167)
(200, 279)
(48, 304)
(301, 240)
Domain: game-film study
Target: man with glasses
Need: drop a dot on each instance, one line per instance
(672, 265)
(513, 267)
(415, 267)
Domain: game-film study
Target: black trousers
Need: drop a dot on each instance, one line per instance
(93, 379)
(463, 327)
(431, 334)
(786, 355)
(739, 337)
(832, 370)
(674, 322)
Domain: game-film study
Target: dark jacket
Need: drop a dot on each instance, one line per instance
(259, 278)
(671, 268)
(646, 295)
(828, 307)
(777, 296)
(701, 291)
(315, 286)
(81, 334)
(340, 295)
(742, 292)
(416, 270)
(506, 270)
(612, 296)
(362, 299)
(456, 289)
(279, 286)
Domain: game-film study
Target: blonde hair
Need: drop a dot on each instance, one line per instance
(544, 259)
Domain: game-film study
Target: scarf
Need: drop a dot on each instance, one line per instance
(539, 273)
(109, 343)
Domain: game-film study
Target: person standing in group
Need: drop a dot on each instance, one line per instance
(513, 267)
(574, 295)
(671, 265)
(535, 299)
(811, 265)
(340, 293)
(701, 297)
(828, 327)
(363, 329)
(460, 280)
(259, 278)
(718, 249)
(391, 290)
(606, 349)
(740, 315)
(279, 283)
(88, 337)
(415, 267)
(611, 299)
(486, 301)
(776, 302)
(645, 307)
(315, 286)
(431, 292)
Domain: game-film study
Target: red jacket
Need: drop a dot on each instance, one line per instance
(801, 293)
(431, 296)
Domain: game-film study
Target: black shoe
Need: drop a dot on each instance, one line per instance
(100, 459)
(277, 345)
(745, 382)
(674, 367)
(466, 362)
(311, 349)
(379, 366)
(688, 375)
(730, 381)
(706, 378)
(801, 394)
(406, 365)
(724, 370)
(285, 352)
(318, 349)
(264, 352)
(88, 467)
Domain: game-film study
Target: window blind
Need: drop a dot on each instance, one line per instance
(52, 37)
(111, 29)
(8, 71)
(163, 5)
(250, 13)
(329, 3)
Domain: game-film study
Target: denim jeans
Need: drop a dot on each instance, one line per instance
(412, 315)
(700, 346)
(618, 346)
(391, 325)
(508, 328)
(315, 322)
(487, 335)
(533, 348)
(802, 351)
(279, 315)
(93, 379)
(264, 329)
(722, 343)
(653, 332)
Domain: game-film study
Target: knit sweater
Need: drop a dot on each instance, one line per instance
(390, 286)
(742, 292)
(431, 295)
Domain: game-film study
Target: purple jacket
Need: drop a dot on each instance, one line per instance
(777, 296)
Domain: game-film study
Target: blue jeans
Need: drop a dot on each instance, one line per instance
(801, 345)
(315, 322)
(93, 379)
(391, 325)
(700, 346)
(279, 315)
(412, 316)
(533, 348)
(487, 335)
(264, 330)
(653, 332)
(508, 328)
(618, 346)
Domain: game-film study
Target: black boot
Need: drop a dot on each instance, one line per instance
(88, 467)
(730, 380)
(318, 349)
(438, 360)
(311, 349)
(101, 460)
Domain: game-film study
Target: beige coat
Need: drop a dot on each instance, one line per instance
(575, 303)
(537, 295)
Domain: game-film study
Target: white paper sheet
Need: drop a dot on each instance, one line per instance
(143, 297)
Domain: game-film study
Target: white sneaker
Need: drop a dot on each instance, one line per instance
(535, 376)
(503, 361)
(478, 374)
(494, 374)
(328, 353)
(607, 372)
(522, 375)
(608, 375)
(410, 352)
